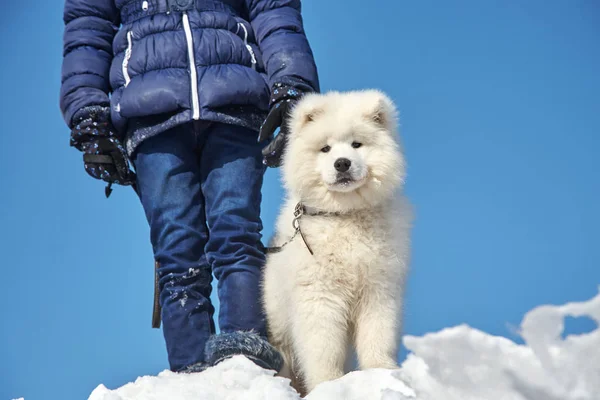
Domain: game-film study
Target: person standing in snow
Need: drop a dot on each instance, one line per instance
(180, 88)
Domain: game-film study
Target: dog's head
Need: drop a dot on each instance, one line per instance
(343, 151)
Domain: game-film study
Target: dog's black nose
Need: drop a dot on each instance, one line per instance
(342, 164)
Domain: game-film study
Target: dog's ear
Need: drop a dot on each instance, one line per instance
(379, 109)
(311, 115)
(307, 110)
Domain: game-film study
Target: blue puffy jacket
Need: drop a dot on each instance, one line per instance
(160, 63)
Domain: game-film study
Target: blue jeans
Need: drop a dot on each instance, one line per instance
(200, 186)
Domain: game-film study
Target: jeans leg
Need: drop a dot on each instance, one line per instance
(232, 177)
(168, 172)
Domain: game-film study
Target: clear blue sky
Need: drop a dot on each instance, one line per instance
(500, 114)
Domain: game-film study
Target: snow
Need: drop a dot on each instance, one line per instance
(458, 363)
(236, 378)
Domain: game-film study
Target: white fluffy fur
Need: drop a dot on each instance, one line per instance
(349, 294)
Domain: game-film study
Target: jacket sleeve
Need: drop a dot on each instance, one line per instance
(90, 26)
(286, 52)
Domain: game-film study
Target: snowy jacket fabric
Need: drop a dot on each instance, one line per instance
(160, 63)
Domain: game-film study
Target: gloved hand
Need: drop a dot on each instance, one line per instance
(283, 98)
(104, 156)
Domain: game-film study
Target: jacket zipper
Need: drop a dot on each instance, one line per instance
(193, 73)
(125, 64)
(252, 56)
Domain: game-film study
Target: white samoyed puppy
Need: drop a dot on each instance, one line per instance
(334, 281)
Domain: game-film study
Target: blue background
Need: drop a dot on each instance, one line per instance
(500, 115)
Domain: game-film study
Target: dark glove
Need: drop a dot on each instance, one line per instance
(104, 156)
(283, 98)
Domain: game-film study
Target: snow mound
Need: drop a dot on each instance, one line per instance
(236, 378)
(459, 363)
(365, 385)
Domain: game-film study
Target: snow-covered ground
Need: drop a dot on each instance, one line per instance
(459, 363)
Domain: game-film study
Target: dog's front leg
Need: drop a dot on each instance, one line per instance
(320, 335)
(377, 328)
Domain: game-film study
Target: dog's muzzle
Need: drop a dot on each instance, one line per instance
(344, 178)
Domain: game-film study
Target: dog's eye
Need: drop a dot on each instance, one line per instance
(356, 145)
(325, 149)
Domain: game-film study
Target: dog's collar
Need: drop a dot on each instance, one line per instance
(299, 211)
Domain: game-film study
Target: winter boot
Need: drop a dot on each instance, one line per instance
(198, 367)
(249, 344)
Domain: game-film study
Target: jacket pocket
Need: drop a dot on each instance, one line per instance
(125, 65)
